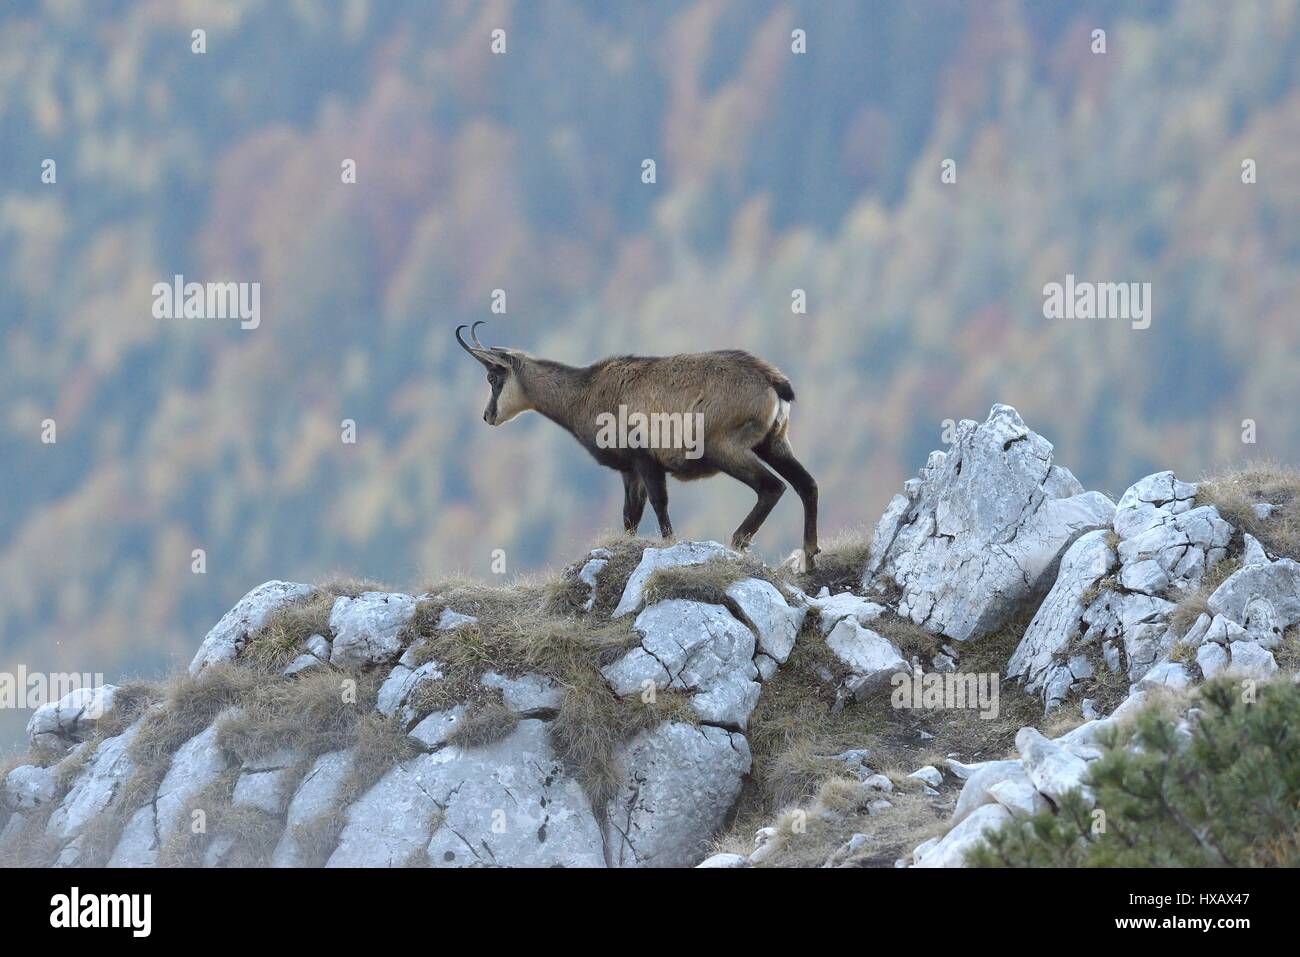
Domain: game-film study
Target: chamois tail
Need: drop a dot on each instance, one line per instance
(784, 389)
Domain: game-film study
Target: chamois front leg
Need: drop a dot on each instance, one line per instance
(633, 501)
(655, 480)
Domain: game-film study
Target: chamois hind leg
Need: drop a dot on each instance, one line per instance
(748, 468)
(778, 454)
(633, 501)
(655, 480)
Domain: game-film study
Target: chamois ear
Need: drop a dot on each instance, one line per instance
(485, 356)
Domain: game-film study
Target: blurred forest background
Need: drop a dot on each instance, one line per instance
(522, 171)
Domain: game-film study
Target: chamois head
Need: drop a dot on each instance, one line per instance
(508, 398)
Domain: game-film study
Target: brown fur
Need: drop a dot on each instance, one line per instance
(744, 401)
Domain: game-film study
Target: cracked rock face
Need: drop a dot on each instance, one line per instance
(400, 686)
(262, 784)
(694, 647)
(226, 640)
(197, 763)
(96, 789)
(832, 609)
(1176, 552)
(316, 796)
(1040, 659)
(1114, 590)
(679, 783)
(510, 802)
(977, 532)
(367, 629)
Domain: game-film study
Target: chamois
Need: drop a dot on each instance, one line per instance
(739, 403)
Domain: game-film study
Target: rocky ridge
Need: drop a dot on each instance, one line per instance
(480, 770)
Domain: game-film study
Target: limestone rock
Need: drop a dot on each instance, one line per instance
(196, 764)
(1152, 501)
(774, 622)
(980, 781)
(871, 658)
(1251, 660)
(694, 647)
(397, 691)
(724, 860)
(1038, 659)
(26, 788)
(226, 640)
(527, 693)
(1176, 551)
(73, 718)
(951, 849)
(511, 803)
(1019, 796)
(1263, 599)
(1053, 769)
(97, 789)
(316, 797)
(832, 609)
(674, 556)
(434, 729)
(1212, 659)
(264, 782)
(679, 784)
(367, 629)
(982, 526)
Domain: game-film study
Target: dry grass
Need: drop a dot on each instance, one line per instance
(1287, 653)
(188, 706)
(310, 713)
(707, 582)
(911, 639)
(348, 586)
(485, 723)
(567, 594)
(794, 730)
(814, 833)
(1234, 492)
(287, 629)
(840, 564)
(31, 847)
(1196, 602)
(187, 847)
(379, 745)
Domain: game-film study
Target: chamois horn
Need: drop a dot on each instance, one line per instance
(480, 353)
